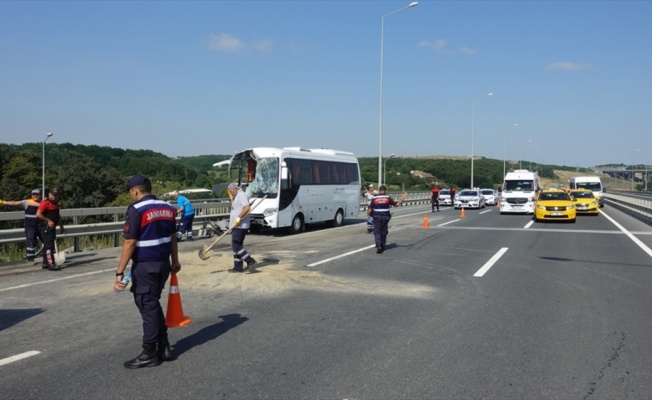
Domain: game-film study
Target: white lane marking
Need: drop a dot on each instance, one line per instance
(57, 279)
(629, 234)
(491, 262)
(485, 211)
(341, 255)
(449, 222)
(17, 357)
(529, 224)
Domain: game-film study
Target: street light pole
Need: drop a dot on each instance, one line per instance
(49, 135)
(385, 168)
(380, 117)
(473, 132)
(505, 154)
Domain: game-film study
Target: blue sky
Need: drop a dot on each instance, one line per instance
(213, 77)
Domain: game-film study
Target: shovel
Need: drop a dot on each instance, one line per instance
(59, 258)
(205, 252)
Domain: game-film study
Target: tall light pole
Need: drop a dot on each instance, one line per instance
(520, 162)
(385, 169)
(380, 122)
(473, 132)
(505, 154)
(49, 135)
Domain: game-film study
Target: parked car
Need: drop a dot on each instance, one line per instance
(489, 196)
(554, 204)
(585, 201)
(445, 197)
(469, 198)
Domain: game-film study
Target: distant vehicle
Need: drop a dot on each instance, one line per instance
(489, 196)
(519, 191)
(585, 202)
(301, 186)
(445, 197)
(469, 198)
(592, 183)
(554, 204)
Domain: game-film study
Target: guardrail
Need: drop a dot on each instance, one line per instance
(636, 206)
(205, 212)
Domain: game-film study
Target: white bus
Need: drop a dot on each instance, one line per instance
(519, 192)
(302, 186)
(592, 183)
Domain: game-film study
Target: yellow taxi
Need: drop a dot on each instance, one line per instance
(585, 201)
(554, 204)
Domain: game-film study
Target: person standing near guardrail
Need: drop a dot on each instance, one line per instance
(150, 241)
(239, 222)
(49, 212)
(187, 211)
(32, 232)
(435, 198)
(379, 210)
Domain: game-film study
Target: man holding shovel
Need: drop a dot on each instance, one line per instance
(239, 222)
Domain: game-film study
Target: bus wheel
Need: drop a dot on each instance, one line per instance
(338, 220)
(297, 224)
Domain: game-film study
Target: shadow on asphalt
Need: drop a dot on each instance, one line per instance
(208, 333)
(13, 317)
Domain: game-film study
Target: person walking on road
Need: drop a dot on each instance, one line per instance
(239, 221)
(452, 190)
(187, 211)
(49, 212)
(435, 198)
(32, 232)
(150, 242)
(379, 210)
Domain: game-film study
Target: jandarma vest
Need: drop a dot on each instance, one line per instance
(157, 223)
(381, 204)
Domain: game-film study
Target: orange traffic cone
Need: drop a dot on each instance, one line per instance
(426, 223)
(174, 317)
(462, 213)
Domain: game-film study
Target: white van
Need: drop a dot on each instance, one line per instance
(519, 192)
(592, 183)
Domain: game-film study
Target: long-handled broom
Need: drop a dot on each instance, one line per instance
(206, 250)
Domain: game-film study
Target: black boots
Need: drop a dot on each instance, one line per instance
(148, 358)
(164, 351)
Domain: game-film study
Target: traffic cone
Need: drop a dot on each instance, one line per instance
(462, 215)
(174, 316)
(426, 223)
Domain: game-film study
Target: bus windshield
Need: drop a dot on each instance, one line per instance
(518, 186)
(593, 186)
(265, 179)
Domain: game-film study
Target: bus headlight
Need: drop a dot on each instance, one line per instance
(270, 212)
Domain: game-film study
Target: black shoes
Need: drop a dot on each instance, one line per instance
(148, 358)
(234, 270)
(251, 266)
(165, 353)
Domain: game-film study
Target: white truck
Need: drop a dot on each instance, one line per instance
(592, 183)
(519, 191)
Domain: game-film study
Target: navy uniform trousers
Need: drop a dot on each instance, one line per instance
(380, 231)
(148, 281)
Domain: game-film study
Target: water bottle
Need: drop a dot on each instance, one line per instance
(126, 279)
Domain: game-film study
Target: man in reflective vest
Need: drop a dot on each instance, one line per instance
(31, 222)
(151, 244)
(379, 210)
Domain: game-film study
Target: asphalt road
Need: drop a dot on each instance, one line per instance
(485, 307)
